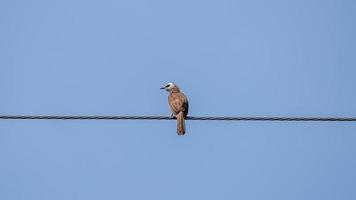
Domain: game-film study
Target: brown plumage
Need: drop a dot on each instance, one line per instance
(179, 106)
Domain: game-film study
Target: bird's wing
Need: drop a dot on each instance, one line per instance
(178, 102)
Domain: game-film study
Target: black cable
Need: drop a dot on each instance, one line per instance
(103, 117)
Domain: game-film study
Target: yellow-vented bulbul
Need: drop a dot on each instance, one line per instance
(179, 105)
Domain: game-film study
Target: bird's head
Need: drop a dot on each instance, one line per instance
(169, 87)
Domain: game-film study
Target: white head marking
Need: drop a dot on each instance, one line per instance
(169, 86)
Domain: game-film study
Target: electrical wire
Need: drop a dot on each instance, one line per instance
(205, 118)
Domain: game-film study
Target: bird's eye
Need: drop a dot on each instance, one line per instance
(168, 85)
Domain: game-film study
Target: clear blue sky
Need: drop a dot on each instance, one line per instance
(231, 58)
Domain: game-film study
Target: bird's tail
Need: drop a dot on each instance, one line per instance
(180, 123)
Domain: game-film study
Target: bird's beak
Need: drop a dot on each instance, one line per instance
(163, 88)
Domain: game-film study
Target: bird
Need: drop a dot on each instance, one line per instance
(179, 105)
